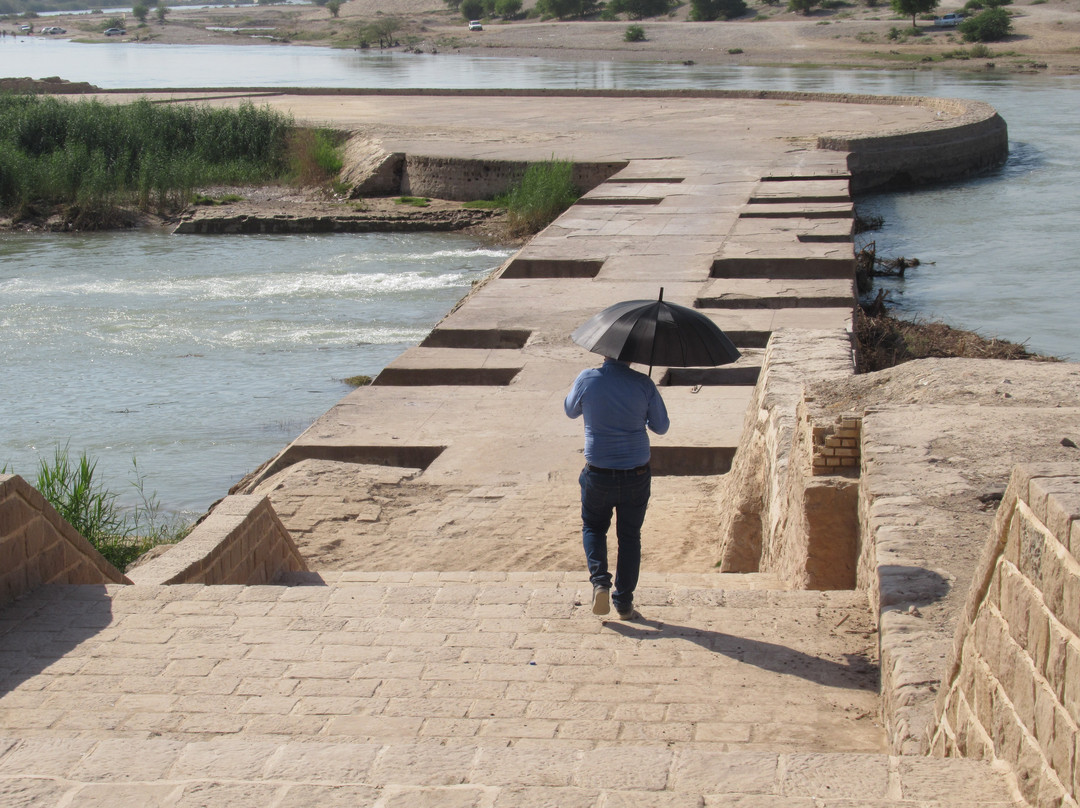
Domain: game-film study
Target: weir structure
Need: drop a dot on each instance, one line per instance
(394, 610)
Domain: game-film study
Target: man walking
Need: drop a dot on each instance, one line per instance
(618, 403)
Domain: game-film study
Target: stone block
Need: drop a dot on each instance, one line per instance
(1012, 542)
(1071, 689)
(1045, 705)
(1007, 734)
(1061, 748)
(1038, 638)
(1070, 601)
(1022, 691)
(1015, 603)
(734, 772)
(1056, 655)
(1029, 770)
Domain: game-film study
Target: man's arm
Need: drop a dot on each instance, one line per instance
(656, 418)
(572, 403)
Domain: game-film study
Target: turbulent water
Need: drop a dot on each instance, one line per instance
(204, 357)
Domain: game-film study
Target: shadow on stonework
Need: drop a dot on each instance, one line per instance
(44, 627)
(857, 673)
(910, 586)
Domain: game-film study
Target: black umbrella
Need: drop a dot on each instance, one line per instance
(652, 332)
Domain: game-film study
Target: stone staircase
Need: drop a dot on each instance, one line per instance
(448, 689)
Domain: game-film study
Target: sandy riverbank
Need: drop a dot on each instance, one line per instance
(1046, 39)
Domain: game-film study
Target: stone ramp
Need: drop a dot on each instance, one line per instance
(472, 689)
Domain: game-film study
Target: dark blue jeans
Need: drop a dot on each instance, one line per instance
(627, 494)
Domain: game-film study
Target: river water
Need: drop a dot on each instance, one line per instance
(204, 356)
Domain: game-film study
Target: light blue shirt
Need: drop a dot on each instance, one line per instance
(618, 404)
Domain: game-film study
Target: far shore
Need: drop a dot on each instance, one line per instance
(1046, 35)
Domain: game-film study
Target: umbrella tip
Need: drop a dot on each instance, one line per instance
(661, 293)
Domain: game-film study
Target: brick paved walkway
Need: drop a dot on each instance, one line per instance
(471, 689)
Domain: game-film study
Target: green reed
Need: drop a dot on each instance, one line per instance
(545, 191)
(120, 534)
(87, 152)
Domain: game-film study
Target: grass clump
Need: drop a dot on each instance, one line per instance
(413, 201)
(634, 33)
(95, 157)
(545, 191)
(121, 535)
(485, 204)
(357, 381)
(315, 156)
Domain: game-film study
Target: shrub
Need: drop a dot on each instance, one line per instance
(545, 191)
(803, 7)
(991, 25)
(634, 33)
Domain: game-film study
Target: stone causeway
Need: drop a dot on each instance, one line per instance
(855, 591)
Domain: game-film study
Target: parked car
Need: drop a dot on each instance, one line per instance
(54, 29)
(474, 25)
(949, 20)
(115, 32)
(26, 28)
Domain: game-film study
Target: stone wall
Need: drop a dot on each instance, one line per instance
(242, 541)
(759, 513)
(975, 139)
(1012, 689)
(465, 180)
(37, 546)
(818, 541)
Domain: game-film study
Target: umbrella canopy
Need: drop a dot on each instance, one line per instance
(652, 332)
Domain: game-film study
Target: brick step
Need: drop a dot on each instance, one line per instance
(242, 773)
(714, 661)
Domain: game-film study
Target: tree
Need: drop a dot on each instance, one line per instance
(991, 25)
(140, 11)
(162, 12)
(803, 7)
(508, 9)
(913, 7)
(639, 9)
(453, 5)
(472, 9)
(383, 31)
(709, 10)
(333, 6)
(567, 9)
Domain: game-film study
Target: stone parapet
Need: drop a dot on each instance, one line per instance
(37, 546)
(1012, 689)
(757, 505)
(242, 541)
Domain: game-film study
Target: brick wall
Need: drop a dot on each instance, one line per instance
(242, 541)
(38, 547)
(1012, 691)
